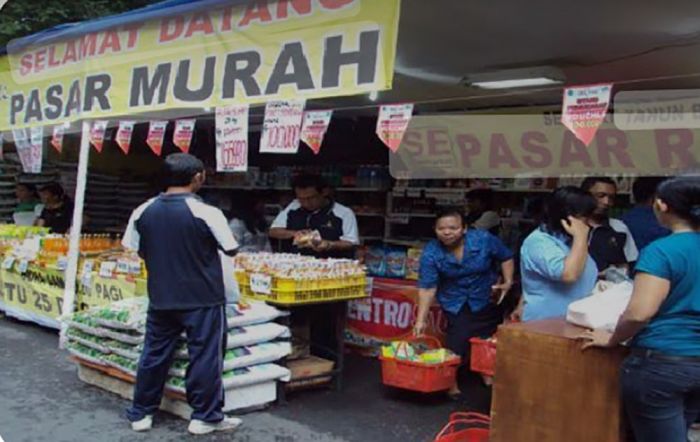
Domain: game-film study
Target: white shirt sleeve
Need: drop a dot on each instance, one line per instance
(631, 251)
(132, 239)
(216, 221)
(280, 221)
(350, 233)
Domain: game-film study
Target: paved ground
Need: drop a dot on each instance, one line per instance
(41, 399)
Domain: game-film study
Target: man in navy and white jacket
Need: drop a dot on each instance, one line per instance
(180, 237)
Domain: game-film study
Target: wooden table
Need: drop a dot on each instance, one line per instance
(547, 389)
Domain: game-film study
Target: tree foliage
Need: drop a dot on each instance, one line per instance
(25, 17)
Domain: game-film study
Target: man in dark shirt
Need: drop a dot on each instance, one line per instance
(180, 237)
(57, 214)
(312, 211)
(640, 219)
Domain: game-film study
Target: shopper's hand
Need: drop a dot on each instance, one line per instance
(575, 227)
(419, 328)
(595, 338)
(499, 291)
(517, 315)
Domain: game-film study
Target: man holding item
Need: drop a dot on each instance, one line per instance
(314, 224)
(610, 242)
(180, 237)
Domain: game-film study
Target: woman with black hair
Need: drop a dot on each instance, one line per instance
(462, 269)
(661, 377)
(555, 266)
(248, 225)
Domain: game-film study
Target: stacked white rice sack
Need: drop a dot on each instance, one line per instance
(113, 336)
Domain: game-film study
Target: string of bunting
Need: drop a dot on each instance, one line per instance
(286, 123)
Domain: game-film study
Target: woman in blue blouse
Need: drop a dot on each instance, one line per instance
(555, 267)
(461, 268)
(661, 378)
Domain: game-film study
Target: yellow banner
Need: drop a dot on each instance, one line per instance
(253, 53)
(104, 291)
(34, 298)
(513, 146)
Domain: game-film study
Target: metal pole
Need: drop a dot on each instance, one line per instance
(75, 231)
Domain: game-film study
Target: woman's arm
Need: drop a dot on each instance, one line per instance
(426, 297)
(501, 290)
(648, 295)
(575, 262)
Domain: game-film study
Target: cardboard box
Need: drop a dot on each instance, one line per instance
(301, 337)
(307, 367)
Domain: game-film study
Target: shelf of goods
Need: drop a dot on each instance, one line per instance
(285, 279)
(110, 339)
(33, 267)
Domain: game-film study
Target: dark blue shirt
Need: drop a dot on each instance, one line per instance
(644, 226)
(466, 281)
(179, 238)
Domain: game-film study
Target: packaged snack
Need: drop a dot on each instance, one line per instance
(413, 262)
(396, 262)
(375, 261)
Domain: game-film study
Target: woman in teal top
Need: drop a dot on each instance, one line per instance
(661, 378)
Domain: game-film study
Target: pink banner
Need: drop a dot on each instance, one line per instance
(584, 109)
(57, 138)
(392, 123)
(182, 135)
(314, 128)
(156, 135)
(97, 134)
(126, 130)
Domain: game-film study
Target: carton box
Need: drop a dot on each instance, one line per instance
(307, 367)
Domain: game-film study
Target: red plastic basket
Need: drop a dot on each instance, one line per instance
(465, 427)
(483, 356)
(421, 377)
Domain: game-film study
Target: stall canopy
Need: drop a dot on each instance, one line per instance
(188, 54)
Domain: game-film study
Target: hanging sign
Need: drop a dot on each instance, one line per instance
(282, 126)
(36, 149)
(243, 52)
(314, 128)
(584, 109)
(232, 138)
(392, 123)
(97, 134)
(23, 147)
(126, 129)
(57, 138)
(156, 135)
(182, 135)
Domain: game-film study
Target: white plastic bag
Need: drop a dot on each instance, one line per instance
(601, 310)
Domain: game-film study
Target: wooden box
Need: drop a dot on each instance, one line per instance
(547, 390)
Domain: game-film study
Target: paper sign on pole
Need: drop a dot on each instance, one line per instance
(97, 134)
(392, 123)
(232, 138)
(126, 129)
(584, 109)
(182, 135)
(282, 126)
(314, 128)
(57, 138)
(156, 135)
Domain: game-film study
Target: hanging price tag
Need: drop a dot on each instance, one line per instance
(23, 266)
(260, 283)
(122, 266)
(88, 265)
(62, 263)
(86, 280)
(107, 269)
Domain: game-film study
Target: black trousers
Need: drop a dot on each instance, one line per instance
(206, 341)
(467, 324)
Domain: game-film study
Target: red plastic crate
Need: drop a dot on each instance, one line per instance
(421, 377)
(483, 356)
